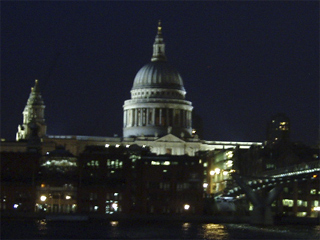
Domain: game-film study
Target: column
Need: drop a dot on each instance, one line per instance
(125, 118)
(130, 117)
(188, 119)
(141, 117)
(153, 116)
(135, 117)
(147, 117)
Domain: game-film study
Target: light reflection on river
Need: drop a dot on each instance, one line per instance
(215, 231)
(42, 229)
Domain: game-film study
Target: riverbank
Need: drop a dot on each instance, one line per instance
(153, 218)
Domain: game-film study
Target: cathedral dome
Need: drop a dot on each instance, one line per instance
(158, 74)
(157, 106)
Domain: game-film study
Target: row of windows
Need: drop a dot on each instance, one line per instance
(109, 163)
(300, 203)
(109, 196)
(167, 186)
(147, 93)
(119, 164)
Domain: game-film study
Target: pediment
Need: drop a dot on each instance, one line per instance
(170, 138)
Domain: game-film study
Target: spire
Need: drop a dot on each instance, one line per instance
(33, 116)
(36, 87)
(35, 95)
(159, 46)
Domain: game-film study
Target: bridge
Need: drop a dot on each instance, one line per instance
(264, 189)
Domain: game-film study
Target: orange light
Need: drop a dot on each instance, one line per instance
(43, 185)
(314, 176)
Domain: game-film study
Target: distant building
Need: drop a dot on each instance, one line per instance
(57, 182)
(18, 181)
(278, 129)
(33, 113)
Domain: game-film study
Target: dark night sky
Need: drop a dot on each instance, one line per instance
(241, 63)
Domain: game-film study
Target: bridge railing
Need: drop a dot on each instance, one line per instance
(294, 169)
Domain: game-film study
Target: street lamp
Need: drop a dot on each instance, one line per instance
(43, 198)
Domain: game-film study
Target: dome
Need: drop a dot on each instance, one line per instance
(158, 74)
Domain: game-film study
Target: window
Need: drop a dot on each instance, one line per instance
(302, 203)
(93, 196)
(165, 186)
(93, 163)
(313, 191)
(182, 186)
(287, 202)
(114, 163)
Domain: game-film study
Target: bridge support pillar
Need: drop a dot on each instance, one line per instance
(261, 214)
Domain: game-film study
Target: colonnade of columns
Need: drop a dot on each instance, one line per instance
(157, 117)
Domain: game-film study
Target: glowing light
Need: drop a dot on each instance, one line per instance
(186, 207)
(127, 146)
(212, 173)
(229, 163)
(115, 206)
(114, 223)
(15, 206)
(205, 185)
(68, 197)
(43, 185)
(229, 154)
(225, 173)
(43, 198)
(117, 145)
(107, 145)
(217, 170)
(316, 209)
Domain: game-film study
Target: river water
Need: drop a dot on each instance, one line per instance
(42, 229)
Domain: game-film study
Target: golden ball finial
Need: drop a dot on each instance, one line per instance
(159, 26)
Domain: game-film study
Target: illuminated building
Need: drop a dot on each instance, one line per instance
(33, 113)
(157, 105)
(157, 117)
(106, 179)
(170, 185)
(57, 182)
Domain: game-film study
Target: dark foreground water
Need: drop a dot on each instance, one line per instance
(42, 229)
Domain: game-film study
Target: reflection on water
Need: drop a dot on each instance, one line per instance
(215, 231)
(114, 231)
(42, 226)
(114, 223)
(42, 229)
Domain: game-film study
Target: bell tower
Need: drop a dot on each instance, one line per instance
(33, 114)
